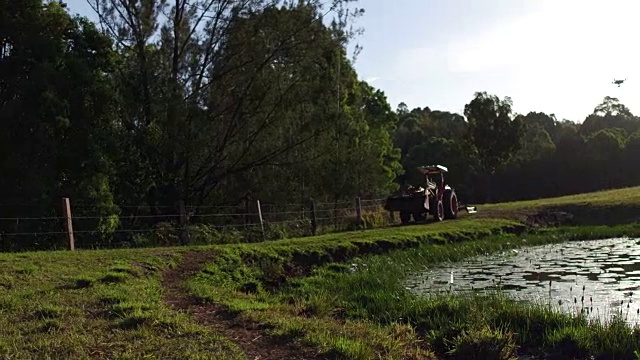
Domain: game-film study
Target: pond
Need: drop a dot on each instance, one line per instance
(599, 277)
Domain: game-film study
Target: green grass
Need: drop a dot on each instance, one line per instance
(368, 313)
(607, 207)
(108, 303)
(625, 197)
(96, 304)
(376, 293)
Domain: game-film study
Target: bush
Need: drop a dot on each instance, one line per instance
(375, 219)
(203, 234)
(164, 234)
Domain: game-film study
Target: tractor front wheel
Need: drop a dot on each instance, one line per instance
(439, 215)
(450, 204)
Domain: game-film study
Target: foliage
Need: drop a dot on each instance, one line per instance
(493, 132)
(200, 102)
(213, 103)
(56, 128)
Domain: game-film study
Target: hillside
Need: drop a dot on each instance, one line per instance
(607, 206)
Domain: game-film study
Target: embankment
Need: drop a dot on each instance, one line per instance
(340, 296)
(608, 207)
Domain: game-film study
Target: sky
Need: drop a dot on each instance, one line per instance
(554, 56)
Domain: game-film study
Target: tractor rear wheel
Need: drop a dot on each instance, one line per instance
(439, 214)
(450, 200)
(405, 217)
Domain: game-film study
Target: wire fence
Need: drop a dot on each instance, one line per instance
(144, 225)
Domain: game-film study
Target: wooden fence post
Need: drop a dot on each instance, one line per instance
(314, 219)
(260, 217)
(66, 209)
(358, 212)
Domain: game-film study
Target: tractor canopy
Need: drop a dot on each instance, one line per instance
(433, 169)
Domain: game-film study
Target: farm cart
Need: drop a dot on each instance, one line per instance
(437, 199)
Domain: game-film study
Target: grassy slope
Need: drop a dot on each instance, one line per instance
(623, 198)
(617, 197)
(368, 313)
(108, 304)
(103, 303)
(98, 305)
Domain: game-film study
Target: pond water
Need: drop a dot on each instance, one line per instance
(599, 277)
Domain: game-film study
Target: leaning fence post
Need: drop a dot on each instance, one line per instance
(260, 217)
(358, 212)
(66, 209)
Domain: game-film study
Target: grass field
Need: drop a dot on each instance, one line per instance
(96, 304)
(107, 304)
(626, 198)
(616, 197)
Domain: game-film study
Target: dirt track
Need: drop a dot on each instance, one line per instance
(248, 336)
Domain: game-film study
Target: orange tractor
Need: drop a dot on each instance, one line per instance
(437, 198)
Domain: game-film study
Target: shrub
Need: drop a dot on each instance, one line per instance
(484, 343)
(164, 234)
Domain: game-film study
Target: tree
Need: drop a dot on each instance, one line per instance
(493, 132)
(610, 113)
(631, 159)
(216, 89)
(605, 145)
(402, 109)
(379, 162)
(611, 106)
(55, 112)
(536, 143)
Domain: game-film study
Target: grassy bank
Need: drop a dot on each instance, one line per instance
(108, 303)
(616, 197)
(616, 206)
(367, 313)
(96, 305)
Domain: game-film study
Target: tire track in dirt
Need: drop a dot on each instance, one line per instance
(250, 337)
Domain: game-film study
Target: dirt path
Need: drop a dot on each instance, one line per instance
(255, 343)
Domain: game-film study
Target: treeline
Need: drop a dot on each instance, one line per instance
(205, 103)
(522, 156)
(162, 110)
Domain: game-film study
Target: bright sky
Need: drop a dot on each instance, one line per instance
(555, 56)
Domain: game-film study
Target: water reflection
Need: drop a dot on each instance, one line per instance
(600, 277)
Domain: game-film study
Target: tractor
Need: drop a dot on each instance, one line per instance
(437, 199)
